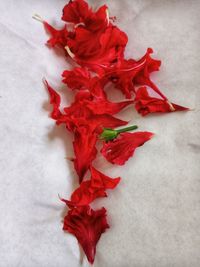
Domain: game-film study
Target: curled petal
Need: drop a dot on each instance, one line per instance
(106, 121)
(105, 106)
(99, 180)
(129, 73)
(87, 225)
(84, 150)
(76, 11)
(55, 101)
(91, 189)
(119, 150)
(58, 37)
(79, 13)
(78, 78)
(98, 50)
(145, 104)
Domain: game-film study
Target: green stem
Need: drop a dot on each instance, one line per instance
(130, 128)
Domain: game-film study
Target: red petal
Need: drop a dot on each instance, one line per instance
(121, 149)
(80, 13)
(86, 225)
(58, 37)
(83, 113)
(146, 104)
(106, 121)
(84, 150)
(78, 78)
(99, 180)
(128, 73)
(84, 195)
(94, 188)
(105, 106)
(97, 50)
(55, 101)
(76, 11)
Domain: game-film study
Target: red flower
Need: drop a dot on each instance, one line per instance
(98, 50)
(79, 13)
(107, 107)
(94, 188)
(82, 113)
(76, 11)
(146, 104)
(129, 73)
(86, 134)
(86, 225)
(119, 150)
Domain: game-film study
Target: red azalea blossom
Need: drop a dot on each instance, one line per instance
(82, 112)
(129, 73)
(94, 188)
(119, 150)
(146, 104)
(86, 225)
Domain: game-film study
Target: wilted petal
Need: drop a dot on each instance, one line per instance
(146, 104)
(86, 225)
(100, 180)
(76, 11)
(55, 101)
(91, 189)
(84, 150)
(78, 78)
(105, 106)
(58, 37)
(129, 73)
(119, 150)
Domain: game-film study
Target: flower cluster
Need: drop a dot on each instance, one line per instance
(96, 46)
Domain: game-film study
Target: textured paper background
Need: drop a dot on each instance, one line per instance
(154, 213)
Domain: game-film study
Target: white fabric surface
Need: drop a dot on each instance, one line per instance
(154, 213)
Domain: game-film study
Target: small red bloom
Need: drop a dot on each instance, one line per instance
(98, 50)
(107, 107)
(129, 73)
(91, 189)
(146, 104)
(83, 112)
(86, 225)
(119, 150)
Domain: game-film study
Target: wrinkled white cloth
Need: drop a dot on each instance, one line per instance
(154, 213)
